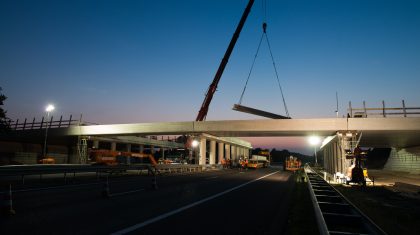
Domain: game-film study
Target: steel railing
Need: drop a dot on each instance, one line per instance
(334, 213)
(382, 111)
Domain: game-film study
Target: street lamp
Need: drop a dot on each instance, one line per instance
(314, 141)
(194, 145)
(49, 109)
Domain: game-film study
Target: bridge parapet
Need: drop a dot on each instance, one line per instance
(383, 111)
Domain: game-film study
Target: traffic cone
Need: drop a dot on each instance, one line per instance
(154, 183)
(105, 191)
(8, 203)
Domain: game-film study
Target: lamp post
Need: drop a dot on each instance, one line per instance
(194, 144)
(314, 141)
(49, 109)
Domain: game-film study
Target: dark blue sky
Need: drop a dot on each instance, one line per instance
(149, 61)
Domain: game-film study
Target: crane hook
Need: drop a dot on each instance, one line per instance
(264, 27)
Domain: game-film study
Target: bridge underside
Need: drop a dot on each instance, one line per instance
(377, 132)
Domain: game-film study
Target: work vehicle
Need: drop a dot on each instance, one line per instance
(357, 172)
(261, 159)
(255, 164)
(47, 160)
(109, 157)
(292, 164)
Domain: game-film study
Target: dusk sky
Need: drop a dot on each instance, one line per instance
(152, 61)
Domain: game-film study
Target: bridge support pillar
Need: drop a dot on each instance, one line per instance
(212, 157)
(96, 144)
(227, 151)
(128, 149)
(234, 156)
(152, 149)
(162, 150)
(221, 152)
(203, 148)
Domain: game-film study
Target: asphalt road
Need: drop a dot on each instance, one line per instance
(215, 202)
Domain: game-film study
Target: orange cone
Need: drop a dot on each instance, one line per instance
(7, 207)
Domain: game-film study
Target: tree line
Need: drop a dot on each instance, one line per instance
(281, 155)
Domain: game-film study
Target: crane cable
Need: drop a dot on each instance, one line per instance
(252, 67)
(264, 33)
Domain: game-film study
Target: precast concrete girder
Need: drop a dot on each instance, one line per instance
(377, 132)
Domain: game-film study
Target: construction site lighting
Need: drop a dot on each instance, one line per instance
(195, 143)
(50, 108)
(314, 140)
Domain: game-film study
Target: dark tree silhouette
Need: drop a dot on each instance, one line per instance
(4, 124)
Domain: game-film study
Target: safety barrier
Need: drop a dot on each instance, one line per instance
(334, 213)
(65, 169)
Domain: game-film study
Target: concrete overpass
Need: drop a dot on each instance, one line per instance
(398, 133)
(377, 132)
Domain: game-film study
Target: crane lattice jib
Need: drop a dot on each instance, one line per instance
(213, 86)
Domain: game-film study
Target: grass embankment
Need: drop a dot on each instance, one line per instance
(392, 212)
(301, 215)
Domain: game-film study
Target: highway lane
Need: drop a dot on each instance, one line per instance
(81, 210)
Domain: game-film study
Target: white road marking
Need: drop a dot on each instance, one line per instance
(213, 177)
(163, 216)
(128, 192)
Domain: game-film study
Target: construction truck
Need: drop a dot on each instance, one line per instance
(254, 164)
(357, 172)
(110, 158)
(292, 164)
(260, 161)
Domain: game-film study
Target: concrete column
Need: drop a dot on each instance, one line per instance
(340, 158)
(196, 153)
(212, 158)
(203, 147)
(227, 151)
(128, 149)
(234, 155)
(162, 150)
(221, 152)
(325, 154)
(190, 155)
(73, 157)
(141, 148)
(96, 144)
(113, 146)
(152, 149)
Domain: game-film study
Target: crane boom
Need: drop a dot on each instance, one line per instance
(213, 86)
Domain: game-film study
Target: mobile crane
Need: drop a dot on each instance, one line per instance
(213, 86)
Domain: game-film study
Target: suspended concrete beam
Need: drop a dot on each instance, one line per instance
(245, 109)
